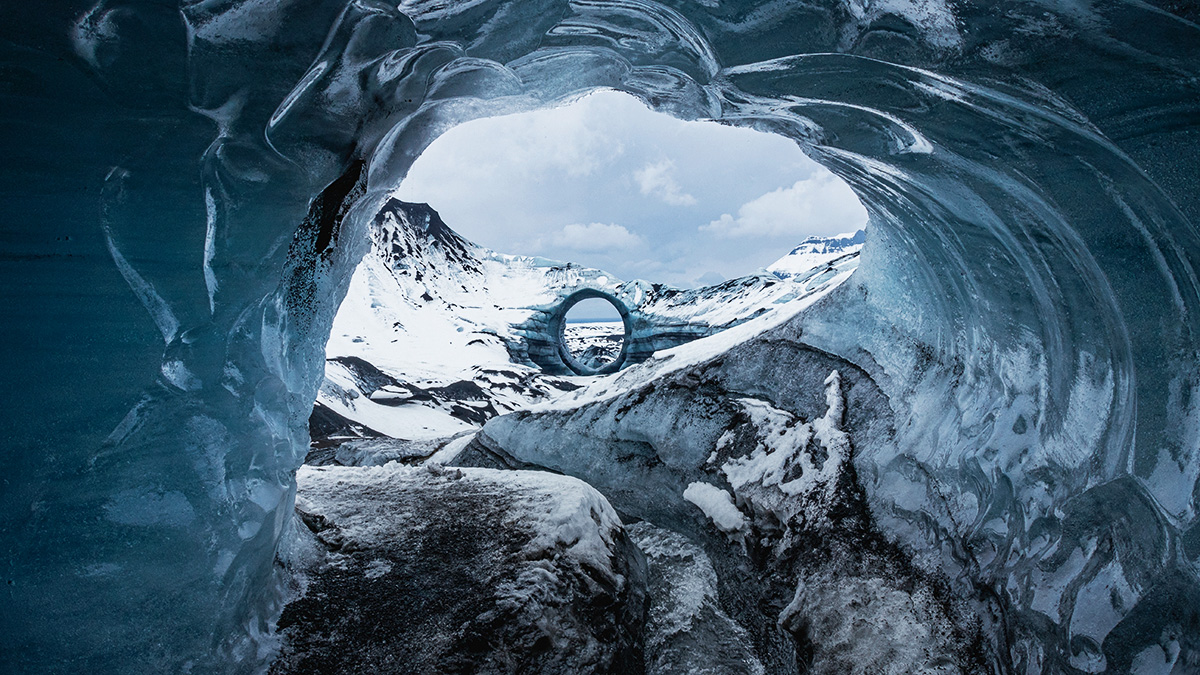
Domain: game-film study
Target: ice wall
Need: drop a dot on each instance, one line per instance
(186, 189)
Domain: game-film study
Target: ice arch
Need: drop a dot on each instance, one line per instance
(558, 323)
(540, 337)
(1028, 300)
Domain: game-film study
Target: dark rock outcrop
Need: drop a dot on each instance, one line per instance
(424, 570)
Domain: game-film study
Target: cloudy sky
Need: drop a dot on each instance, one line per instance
(607, 183)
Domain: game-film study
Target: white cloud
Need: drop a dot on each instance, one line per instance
(596, 237)
(510, 183)
(657, 180)
(820, 204)
(494, 154)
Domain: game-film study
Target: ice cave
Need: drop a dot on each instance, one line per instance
(966, 441)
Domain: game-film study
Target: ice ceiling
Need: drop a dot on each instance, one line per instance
(1027, 301)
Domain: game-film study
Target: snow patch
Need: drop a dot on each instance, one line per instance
(718, 505)
(785, 447)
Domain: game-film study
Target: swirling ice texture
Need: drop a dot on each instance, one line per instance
(1027, 297)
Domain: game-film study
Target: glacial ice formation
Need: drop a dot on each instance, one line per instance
(1026, 308)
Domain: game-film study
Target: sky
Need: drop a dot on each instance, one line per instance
(592, 309)
(608, 183)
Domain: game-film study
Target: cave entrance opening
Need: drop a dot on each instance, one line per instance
(479, 239)
(594, 331)
(606, 182)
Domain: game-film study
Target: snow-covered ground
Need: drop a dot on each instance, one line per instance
(595, 343)
(411, 565)
(419, 349)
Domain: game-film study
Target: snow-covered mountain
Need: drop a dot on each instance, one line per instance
(418, 348)
(817, 251)
(427, 344)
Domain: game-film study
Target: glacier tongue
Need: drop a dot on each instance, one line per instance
(1025, 312)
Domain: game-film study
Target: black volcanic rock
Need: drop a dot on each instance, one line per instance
(425, 570)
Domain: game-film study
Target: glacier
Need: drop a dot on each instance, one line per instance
(189, 188)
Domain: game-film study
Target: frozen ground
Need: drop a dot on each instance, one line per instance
(595, 343)
(474, 570)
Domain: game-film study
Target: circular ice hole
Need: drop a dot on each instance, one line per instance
(593, 332)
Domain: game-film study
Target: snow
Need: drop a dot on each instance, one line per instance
(384, 320)
(432, 558)
(692, 353)
(718, 505)
(784, 447)
(449, 452)
(429, 309)
(781, 441)
(596, 343)
(817, 252)
(410, 422)
(577, 519)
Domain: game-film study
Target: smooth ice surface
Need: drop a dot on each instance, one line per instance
(187, 189)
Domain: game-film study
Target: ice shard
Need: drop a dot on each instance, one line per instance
(187, 189)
